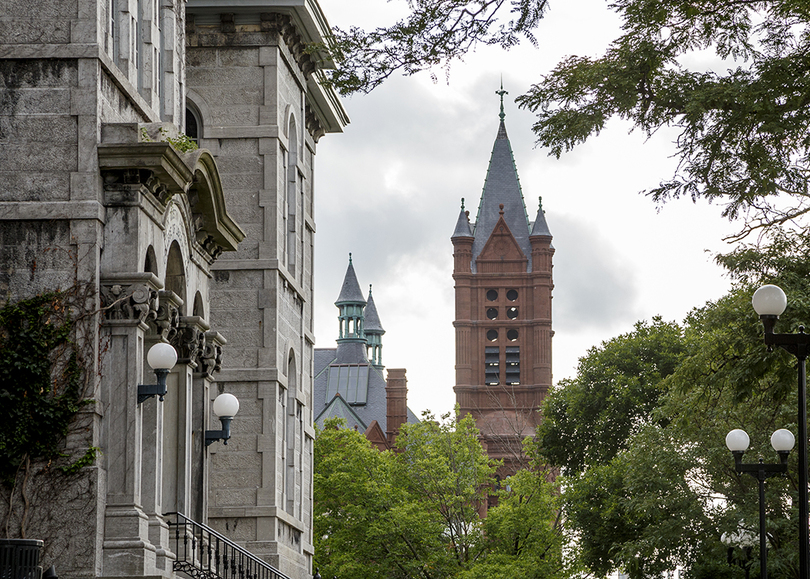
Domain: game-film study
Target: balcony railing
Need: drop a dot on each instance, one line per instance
(202, 553)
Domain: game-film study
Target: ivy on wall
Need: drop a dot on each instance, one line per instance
(41, 383)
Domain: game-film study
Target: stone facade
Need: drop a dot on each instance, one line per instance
(209, 250)
(260, 109)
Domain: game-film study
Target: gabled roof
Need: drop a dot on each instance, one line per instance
(350, 292)
(372, 318)
(338, 408)
(502, 186)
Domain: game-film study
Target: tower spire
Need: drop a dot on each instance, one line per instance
(501, 92)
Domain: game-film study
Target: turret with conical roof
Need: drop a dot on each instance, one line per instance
(374, 331)
(351, 337)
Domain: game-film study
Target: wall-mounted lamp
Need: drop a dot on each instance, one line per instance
(161, 358)
(225, 407)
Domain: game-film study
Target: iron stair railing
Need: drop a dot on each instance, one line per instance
(203, 553)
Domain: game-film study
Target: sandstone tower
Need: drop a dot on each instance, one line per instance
(503, 283)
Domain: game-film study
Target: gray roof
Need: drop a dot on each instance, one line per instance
(338, 408)
(350, 292)
(540, 226)
(372, 323)
(502, 186)
(463, 228)
(374, 407)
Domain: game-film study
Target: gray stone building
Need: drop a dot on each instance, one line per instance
(209, 250)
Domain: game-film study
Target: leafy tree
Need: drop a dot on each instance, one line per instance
(416, 512)
(743, 132)
(433, 34)
(589, 418)
(668, 493)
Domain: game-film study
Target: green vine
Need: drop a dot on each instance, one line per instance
(41, 384)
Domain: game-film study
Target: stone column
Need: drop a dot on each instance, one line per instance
(129, 301)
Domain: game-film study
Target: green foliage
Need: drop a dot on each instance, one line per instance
(415, 512)
(744, 132)
(669, 491)
(588, 419)
(182, 142)
(434, 33)
(42, 381)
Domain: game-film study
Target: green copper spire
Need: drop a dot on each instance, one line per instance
(501, 93)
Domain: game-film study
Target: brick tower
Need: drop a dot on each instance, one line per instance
(502, 272)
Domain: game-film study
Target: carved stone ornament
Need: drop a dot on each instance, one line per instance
(190, 340)
(167, 320)
(135, 301)
(210, 359)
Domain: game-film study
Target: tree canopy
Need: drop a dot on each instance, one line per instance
(416, 512)
(732, 76)
(664, 489)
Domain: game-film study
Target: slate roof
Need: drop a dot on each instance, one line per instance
(501, 186)
(463, 228)
(540, 226)
(372, 319)
(350, 292)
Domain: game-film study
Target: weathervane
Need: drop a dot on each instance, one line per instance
(501, 93)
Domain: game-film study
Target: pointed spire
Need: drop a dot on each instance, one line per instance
(540, 226)
(502, 186)
(374, 332)
(463, 228)
(350, 292)
(373, 325)
(351, 336)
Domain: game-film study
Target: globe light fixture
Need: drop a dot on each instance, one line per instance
(225, 407)
(782, 441)
(737, 440)
(161, 358)
(770, 302)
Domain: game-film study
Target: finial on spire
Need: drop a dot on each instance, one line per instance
(350, 258)
(462, 203)
(369, 289)
(501, 93)
(540, 202)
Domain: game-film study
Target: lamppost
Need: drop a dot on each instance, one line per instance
(782, 442)
(769, 302)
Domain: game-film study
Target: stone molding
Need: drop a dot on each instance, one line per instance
(210, 360)
(156, 171)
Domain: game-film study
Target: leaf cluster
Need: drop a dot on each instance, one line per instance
(432, 35)
(743, 132)
(41, 388)
(416, 511)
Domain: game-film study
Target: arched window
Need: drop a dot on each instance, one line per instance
(176, 273)
(150, 263)
(193, 124)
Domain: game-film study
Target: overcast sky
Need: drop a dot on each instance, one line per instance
(388, 190)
